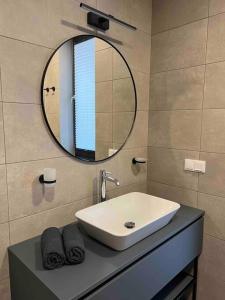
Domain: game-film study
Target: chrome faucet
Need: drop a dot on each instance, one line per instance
(105, 176)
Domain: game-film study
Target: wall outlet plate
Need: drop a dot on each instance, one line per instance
(192, 165)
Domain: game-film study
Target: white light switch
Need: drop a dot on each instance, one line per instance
(189, 165)
(197, 166)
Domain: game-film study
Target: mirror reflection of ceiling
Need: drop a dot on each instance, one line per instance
(89, 98)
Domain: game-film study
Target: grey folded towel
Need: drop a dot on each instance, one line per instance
(53, 255)
(73, 244)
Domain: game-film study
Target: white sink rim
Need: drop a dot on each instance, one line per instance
(125, 237)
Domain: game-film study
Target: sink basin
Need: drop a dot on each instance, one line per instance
(123, 221)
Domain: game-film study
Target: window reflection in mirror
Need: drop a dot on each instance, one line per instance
(89, 98)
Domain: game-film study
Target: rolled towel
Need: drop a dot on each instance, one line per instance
(73, 244)
(53, 255)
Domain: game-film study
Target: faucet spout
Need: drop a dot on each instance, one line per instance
(104, 177)
(114, 180)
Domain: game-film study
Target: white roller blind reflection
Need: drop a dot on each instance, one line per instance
(84, 85)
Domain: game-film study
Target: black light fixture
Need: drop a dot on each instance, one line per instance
(100, 19)
(97, 21)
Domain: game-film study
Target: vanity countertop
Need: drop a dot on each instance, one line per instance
(101, 263)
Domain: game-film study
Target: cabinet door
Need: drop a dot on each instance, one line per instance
(144, 279)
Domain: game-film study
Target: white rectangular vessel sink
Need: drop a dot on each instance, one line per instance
(125, 220)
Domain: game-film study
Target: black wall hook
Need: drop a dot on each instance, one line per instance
(138, 160)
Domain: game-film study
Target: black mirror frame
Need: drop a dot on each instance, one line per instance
(79, 38)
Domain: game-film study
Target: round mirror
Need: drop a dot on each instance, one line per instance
(89, 98)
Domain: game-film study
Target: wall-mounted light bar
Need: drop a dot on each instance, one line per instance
(110, 17)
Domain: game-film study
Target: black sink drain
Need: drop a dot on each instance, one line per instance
(129, 224)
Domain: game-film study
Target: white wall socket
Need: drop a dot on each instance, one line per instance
(192, 165)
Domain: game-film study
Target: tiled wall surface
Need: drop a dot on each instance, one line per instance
(187, 120)
(114, 113)
(26, 42)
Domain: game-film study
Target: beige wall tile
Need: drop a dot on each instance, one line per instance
(215, 86)
(25, 228)
(216, 39)
(135, 47)
(29, 23)
(212, 257)
(213, 134)
(167, 166)
(142, 88)
(4, 238)
(102, 149)
(214, 208)
(179, 48)
(5, 289)
(179, 89)
(216, 6)
(172, 129)
(104, 65)
(3, 195)
(101, 45)
(139, 134)
(135, 53)
(53, 120)
(212, 182)
(138, 51)
(168, 14)
(120, 69)
(65, 20)
(211, 269)
(22, 85)
(2, 142)
(140, 14)
(27, 196)
(117, 8)
(180, 195)
(118, 191)
(129, 173)
(123, 95)
(26, 135)
(122, 123)
(0, 84)
(104, 127)
(209, 287)
(104, 96)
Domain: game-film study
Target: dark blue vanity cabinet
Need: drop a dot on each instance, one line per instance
(155, 268)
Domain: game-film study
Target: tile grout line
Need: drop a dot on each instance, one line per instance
(178, 26)
(203, 100)
(72, 157)
(189, 150)
(123, 149)
(188, 67)
(177, 69)
(185, 188)
(66, 204)
(26, 42)
(51, 209)
(6, 172)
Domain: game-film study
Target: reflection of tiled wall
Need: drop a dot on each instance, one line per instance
(115, 102)
(104, 98)
(27, 40)
(51, 98)
(186, 120)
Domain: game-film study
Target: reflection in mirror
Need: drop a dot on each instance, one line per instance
(89, 98)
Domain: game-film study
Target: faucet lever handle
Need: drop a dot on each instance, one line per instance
(108, 173)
